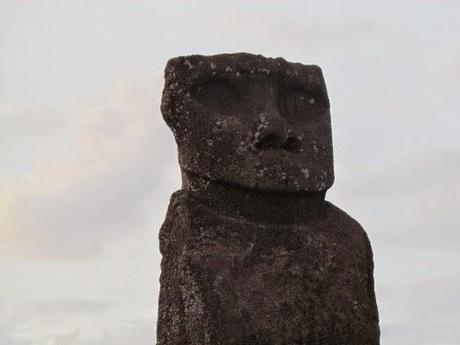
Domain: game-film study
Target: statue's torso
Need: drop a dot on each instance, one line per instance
(239, 281)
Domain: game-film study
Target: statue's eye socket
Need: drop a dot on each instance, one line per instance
(219, 95)
(302, 105)
(301, 100)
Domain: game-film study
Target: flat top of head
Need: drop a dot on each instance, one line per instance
(190, 69)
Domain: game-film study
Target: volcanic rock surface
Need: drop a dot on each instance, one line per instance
(253, 254)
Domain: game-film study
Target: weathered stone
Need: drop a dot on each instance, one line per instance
(251, 121)
(252, 253)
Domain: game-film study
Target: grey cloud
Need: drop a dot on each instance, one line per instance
(420, 191)
(59, 306)
(412, 173)
(137, 332)
(133, 332)
(73, 204)
(428, 302)
(72, 338)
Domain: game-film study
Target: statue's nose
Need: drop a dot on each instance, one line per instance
(274, 131)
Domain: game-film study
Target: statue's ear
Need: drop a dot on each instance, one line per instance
(317, 79)
(181, 73)
(167, 107)
(169, 93)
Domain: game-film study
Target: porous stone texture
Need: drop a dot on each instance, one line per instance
(252, 252)
(251, 121)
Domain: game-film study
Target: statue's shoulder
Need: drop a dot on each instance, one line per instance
(183, 220)
(345, 224)
(181, 203)
(176, 219)
(342, 217)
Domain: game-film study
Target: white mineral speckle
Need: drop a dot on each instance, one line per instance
(212, 65)
(315, 148)
(209, 142)
(305, 172)
(262, 118)
(260, 128)
(261, 172)
(311, 101)
(188, 64)
(241, 148)
(237, 74)
(228, 69)
(173, 86)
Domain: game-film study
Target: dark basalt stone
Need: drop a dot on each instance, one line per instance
(252, 252)
(251, 121)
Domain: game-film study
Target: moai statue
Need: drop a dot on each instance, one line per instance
(252, 252)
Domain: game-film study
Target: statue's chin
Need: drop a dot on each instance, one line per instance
(290, 184)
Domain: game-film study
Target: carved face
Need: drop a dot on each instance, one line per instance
(250, 121)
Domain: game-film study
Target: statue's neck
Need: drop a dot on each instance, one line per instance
(252, 204)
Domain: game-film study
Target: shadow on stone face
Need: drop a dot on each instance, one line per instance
(252, 253)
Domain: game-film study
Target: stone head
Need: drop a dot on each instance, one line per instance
(250, 121)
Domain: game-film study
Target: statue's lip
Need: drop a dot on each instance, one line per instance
(266, 149)
(249, 187)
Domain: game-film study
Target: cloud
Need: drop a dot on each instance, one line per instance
(59, 306)
(71, 338)
(404, 174)
(69, 205)
(407, 200)
(133, 332)
(428, 302)
(136, 332)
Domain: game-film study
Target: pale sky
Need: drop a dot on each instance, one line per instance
(87, 164)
